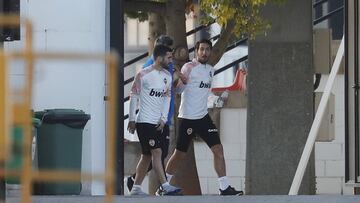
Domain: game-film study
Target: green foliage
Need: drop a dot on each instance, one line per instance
(246, 14)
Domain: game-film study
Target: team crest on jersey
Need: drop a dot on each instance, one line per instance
(212, 130)
(210, 74)
(165, 81)
(152, 142)
(189, 131)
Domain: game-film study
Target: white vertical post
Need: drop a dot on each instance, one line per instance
(316, 124)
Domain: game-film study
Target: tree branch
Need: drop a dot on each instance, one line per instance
(145, 6)
(219, 48)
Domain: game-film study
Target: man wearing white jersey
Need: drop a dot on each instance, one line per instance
(152, 88)
(194, 117)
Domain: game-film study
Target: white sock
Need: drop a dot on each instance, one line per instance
(223, 183)
(168, 177)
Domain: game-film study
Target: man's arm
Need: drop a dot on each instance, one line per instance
(183, 76)
(134, 99)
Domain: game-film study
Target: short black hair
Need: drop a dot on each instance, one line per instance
(161, 50)
(197, 45)
(164, 40)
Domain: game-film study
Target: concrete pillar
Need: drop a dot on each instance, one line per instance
(280, 100)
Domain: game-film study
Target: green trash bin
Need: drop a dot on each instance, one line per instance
(59, 145)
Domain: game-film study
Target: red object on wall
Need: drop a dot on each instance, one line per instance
(238, 85)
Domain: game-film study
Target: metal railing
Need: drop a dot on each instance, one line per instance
(144, 55)
(327, 16)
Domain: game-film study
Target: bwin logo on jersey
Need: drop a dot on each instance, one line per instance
(156, 93)
(205, 85)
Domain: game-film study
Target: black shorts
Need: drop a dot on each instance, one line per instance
(149, 137)
(164, 142)
(203, 127)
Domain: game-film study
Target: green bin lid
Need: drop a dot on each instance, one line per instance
(70, 117)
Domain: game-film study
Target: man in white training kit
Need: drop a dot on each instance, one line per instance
(152, 88)
(194, 118)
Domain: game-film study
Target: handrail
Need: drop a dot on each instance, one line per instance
(241, 41)
(319, 2)
(316, 124)
(322, 18)
(138, 58)
(231, 64)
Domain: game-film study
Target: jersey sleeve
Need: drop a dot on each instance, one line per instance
(136, 85)
(134, 96)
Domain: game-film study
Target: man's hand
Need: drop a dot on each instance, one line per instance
(131, 127)
(222, 99)
(181, 76)
(160, 125)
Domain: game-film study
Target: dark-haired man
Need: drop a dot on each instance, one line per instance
(166, 41)
(152, 88)
(193, 116)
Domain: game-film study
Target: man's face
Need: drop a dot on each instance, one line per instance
(203, 53)
(166, 60)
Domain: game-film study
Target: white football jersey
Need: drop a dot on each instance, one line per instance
(153, 88)
(195, 93)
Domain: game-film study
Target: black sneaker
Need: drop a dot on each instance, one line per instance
(230, 191)
(129, 183)
(159, 191)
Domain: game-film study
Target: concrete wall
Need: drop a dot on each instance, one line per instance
(280, 101)
(75, 26)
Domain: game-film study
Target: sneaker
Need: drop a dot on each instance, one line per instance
(136, 191)
(230, 191)
(129, 183)
(171, 190)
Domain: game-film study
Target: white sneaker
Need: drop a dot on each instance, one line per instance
(171, 190)
(138, 192)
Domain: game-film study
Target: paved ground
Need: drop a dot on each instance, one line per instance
(196, 199)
